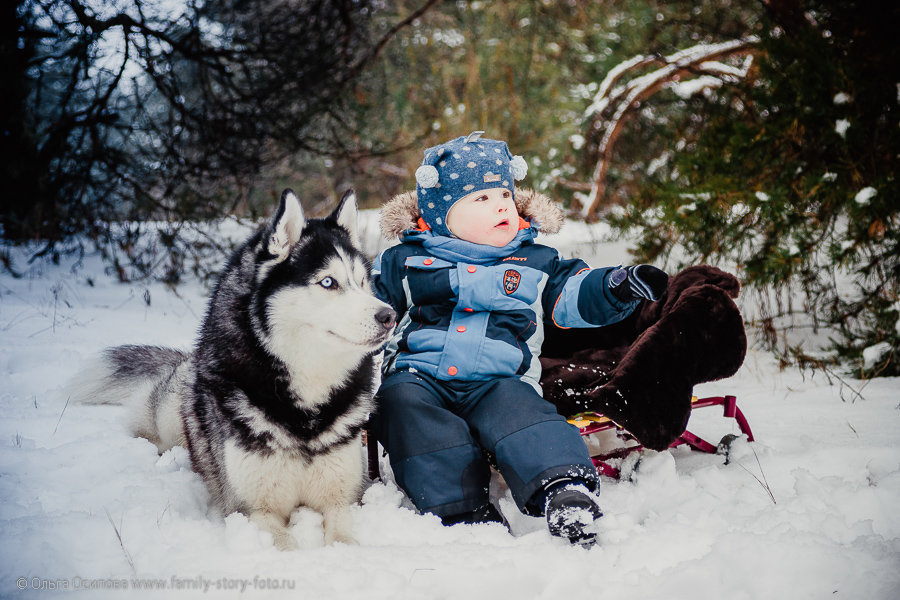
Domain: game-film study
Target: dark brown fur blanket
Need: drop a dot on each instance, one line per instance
(640, 372)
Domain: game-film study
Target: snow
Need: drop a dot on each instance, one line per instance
(841, 98)
(719, 73)
(808, 510)
(686, 89)
(577, 141)
(739, 210)
(841, 126)
(658, 162)
(865, 195)
(896, 309)
(874, 354)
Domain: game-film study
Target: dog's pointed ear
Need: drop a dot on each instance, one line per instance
(288, 224)
(347, 215)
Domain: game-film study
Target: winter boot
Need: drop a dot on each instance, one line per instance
(571, 512)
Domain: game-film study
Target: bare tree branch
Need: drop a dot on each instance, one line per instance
(623, 100)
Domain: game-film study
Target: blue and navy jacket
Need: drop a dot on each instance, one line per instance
(472, 312)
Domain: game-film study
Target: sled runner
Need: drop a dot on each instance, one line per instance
(591, 423)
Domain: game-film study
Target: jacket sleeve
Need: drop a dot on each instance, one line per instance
(578, 296)
(387, 281)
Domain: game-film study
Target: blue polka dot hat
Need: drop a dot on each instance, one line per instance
(459, 167)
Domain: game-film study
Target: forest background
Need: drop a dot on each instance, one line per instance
(759, 135)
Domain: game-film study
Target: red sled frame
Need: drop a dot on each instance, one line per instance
(591, 423)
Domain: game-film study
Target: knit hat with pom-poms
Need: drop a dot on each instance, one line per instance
(459, 167)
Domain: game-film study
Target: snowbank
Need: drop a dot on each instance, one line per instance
(809, 510)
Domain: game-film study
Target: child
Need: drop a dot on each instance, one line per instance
(472, 292)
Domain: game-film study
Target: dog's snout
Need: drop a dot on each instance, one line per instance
(387, 317)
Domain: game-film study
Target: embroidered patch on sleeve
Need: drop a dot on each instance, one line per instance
(511, 281)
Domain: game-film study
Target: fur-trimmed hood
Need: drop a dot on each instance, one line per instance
(401, 212)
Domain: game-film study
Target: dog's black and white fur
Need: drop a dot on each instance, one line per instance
(273, 399)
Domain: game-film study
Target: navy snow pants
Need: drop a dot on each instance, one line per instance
(440, 436)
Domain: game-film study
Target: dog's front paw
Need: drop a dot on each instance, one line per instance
(275, 525)
(284, 541)
(339, 527)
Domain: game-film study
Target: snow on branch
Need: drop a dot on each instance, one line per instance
(614, 102)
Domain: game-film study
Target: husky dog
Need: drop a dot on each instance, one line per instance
(273, 399)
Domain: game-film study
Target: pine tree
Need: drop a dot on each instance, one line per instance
(793, 179)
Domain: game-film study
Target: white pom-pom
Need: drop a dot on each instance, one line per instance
(519, 167)
(427, 176)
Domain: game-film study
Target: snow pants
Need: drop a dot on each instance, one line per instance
(442, 436)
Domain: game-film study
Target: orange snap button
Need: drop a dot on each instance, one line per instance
(452, 371)
(469, 309)
(461, 328)
(427, 261)
(471, 269)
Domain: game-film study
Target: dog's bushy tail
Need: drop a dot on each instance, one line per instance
(142, 378)
(123, 372)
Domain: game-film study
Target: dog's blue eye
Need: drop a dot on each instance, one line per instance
(328, 283)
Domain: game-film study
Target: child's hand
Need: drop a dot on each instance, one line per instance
(636, 283)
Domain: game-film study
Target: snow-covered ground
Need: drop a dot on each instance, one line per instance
(809, 510)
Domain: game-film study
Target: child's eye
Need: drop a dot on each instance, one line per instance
(328, 283)
(507, 195)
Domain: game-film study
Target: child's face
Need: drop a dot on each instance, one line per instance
(485, 217)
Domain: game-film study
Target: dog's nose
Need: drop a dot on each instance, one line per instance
(387, 317)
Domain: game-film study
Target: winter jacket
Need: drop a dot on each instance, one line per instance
(472, 312)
